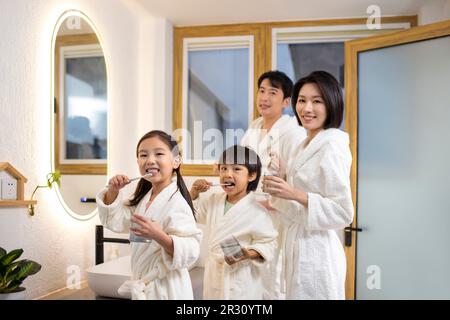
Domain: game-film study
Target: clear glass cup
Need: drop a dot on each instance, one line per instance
(136, 238)
(259, 194)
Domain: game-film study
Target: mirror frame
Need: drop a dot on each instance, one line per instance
(53, 123)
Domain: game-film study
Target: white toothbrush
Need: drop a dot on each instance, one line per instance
(221, 184)
(149, 174)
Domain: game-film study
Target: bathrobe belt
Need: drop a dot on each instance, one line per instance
(137, 287)
(289, 245)
(222, 273)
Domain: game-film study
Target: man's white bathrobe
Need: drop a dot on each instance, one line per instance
(284, 139)
(314, 260)
(155, 274)
(253, 228)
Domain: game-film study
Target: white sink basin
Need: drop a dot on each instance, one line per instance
(104, 279)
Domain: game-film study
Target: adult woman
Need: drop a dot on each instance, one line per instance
(315, 201)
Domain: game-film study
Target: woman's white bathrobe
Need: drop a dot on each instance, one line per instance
(155, 274)
(253, 228)
(284, 139)
(314, 259)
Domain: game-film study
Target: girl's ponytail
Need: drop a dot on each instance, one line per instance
(184, 190)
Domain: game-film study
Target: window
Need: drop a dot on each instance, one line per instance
(217, 98)
(298, 51)
(81, 105)
(210, 74)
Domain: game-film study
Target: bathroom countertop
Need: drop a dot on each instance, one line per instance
(83, 293)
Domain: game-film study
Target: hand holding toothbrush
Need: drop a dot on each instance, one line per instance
(116, 183)
(199, 186)
(202, 185)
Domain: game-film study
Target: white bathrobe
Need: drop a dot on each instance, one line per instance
(155, 274)
(314, 260)
(284, 139)
(253, 228)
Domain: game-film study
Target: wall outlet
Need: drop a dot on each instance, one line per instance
(9, 189)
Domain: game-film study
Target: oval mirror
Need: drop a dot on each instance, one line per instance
(80, 113)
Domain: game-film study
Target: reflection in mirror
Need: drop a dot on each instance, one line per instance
(80, 113)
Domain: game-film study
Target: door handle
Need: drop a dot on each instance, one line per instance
(348, 235)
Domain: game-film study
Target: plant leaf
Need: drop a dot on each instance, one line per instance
(27, 268)
(14, 286)
(13, 290)
(10, 257)
(6, 270)
(57, 176)
(15, 278)
(2, 252)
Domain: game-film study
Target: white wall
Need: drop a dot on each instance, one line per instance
(434, 11)
(137, 87)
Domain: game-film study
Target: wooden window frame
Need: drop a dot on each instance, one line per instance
(84, 168)
(262, 33)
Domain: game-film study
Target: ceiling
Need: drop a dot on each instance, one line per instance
(201, 12)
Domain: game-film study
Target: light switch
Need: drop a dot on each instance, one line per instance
(9, 189)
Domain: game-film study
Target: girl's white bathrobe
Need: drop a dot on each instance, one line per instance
(284, 139)
(253, 228)
(314, 260)
(155, 274)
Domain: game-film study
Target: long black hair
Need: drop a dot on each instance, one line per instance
(144, 186)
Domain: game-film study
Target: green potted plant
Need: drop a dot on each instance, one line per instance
(13, 273)
(52, 177)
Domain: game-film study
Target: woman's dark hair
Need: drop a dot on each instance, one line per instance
(278, 80)
(331, 93)
(144, 186)
(246, 157)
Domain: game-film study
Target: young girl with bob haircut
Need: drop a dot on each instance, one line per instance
(316, 198)
(235, 213)
(163, 213)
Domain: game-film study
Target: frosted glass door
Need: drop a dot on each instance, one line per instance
(403, 196)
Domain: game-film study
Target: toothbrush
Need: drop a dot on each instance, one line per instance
(220, 184)
(137, 178)
(149, 174)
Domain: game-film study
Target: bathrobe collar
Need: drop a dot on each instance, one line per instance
(338, 137)
(155, 211)
(278, 130)
(232, 219)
